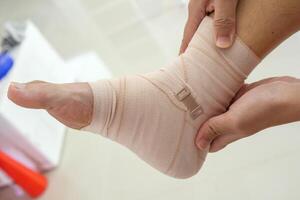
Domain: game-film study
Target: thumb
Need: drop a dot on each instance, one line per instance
(222, 141)
(211, 129)
(225, 22)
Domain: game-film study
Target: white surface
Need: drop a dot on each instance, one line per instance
(32, 136)
(87, 67)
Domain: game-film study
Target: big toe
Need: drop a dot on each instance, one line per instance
(36, 94)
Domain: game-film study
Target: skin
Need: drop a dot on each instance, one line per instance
(71, 103)
(257, 106)
(264, 24)
(261, 24)
(224, 21)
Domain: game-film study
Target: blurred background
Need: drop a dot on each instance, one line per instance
(119, 30)
(134, 36)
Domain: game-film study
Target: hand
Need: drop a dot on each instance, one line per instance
(71, 104)
(257, 106)
(224, 21)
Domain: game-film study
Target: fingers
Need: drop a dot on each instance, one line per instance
(248, 114)
(225, 22)
(35, 94)
(213, 128)
(247, 87)
(196, 12)
(210, 7)
(223, 140)
(218, 132)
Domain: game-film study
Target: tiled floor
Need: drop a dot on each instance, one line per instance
(139, 35)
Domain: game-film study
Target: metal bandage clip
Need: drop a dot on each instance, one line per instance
(186, 97)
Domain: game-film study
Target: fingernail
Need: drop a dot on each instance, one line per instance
(224, 41)
(18, 86)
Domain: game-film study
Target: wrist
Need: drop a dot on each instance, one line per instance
(285, 100)
(294, 104)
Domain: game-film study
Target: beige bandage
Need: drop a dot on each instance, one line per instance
(157, 115)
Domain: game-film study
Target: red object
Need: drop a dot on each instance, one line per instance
(30, 181)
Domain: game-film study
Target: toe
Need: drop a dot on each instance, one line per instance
(31, 95)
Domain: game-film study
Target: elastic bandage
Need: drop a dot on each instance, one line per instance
(157, 115)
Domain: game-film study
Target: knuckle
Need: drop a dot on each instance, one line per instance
(274, 94)
(224, 23)
(277, 87)
(212, 129)
(288, 79)
(235, 123)
(239, 125)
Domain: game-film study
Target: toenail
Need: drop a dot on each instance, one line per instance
(18, 86)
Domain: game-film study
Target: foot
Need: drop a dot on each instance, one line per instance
(156, 115)
(71, 104)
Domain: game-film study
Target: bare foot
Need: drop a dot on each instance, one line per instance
(71, 103)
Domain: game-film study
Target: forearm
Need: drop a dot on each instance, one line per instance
(264, 24)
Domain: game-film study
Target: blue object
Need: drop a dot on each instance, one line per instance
(6, 63)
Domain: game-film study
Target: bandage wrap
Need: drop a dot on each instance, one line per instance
(157, 115)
